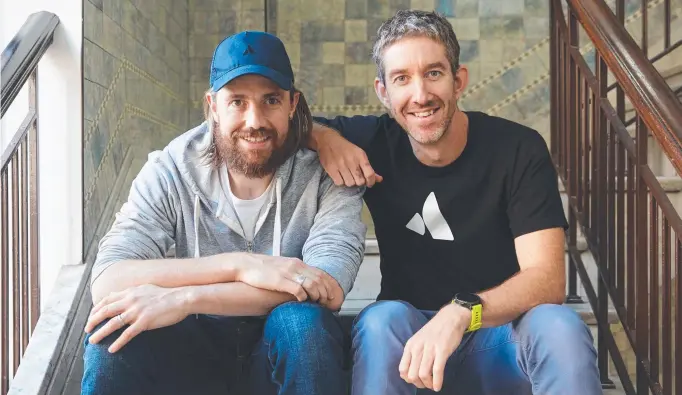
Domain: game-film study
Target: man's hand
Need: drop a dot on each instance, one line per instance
(142, 308)
(345, 162)
(425, 354)
(289, 275)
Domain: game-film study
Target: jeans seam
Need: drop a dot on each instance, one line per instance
(492, 347)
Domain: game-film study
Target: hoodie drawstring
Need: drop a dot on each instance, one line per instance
(277, 236)
(197, 208)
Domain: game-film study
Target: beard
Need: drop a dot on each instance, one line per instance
(436, 132)
(251, 163)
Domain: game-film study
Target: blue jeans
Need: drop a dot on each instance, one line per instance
(299, 348)
(548, 351)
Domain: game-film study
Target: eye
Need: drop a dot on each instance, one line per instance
(401, 79)
(434, 73)
(273, 101)
(237, 103)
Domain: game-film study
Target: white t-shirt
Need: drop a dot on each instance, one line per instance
(248, 211)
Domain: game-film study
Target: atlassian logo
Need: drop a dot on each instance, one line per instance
(432, 219)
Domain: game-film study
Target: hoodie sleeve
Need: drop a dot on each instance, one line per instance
(144, 228)
(336, 242)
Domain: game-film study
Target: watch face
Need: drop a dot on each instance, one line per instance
(468, 298)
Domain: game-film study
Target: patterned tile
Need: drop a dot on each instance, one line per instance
(501, 28)
(358, 53)
(496, 8)
(538, 8)
(315, 31)
(356, 30)
(356, 9)
(466, 28)
(356, 95)
(333, 75)
(378, 9)
(466, 8)
(468, 51)
(512, 80)
(445, 7)
(395, 5)
(424, 5)
(536, 27)
(333, 53)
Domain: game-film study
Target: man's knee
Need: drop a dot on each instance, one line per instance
(379, 318)
(300, 323)
(555, 327)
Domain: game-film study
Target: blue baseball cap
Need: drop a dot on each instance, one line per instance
(251, 52)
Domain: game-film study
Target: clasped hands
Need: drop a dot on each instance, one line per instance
(147, 307)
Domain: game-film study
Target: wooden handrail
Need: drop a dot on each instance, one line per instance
(21, 56)
(651, 96)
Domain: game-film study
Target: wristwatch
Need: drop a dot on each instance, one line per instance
(472, 302)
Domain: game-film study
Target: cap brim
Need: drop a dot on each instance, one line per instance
(279, 78)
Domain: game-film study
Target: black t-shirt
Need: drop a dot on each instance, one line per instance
(443, 230)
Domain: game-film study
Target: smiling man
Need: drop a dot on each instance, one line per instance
(470, 227)
(266, 249)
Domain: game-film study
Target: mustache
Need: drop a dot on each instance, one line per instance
(261, 132)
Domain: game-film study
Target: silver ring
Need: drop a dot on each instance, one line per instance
(300, 279)
(120, 318)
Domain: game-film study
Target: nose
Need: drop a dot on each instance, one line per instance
(421, 94)
(254, 118)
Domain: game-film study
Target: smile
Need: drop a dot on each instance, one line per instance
(260, 139)
(425, 114)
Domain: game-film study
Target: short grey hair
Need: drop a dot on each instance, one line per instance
(414, 23)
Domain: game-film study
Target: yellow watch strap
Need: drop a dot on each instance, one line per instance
(476, 316)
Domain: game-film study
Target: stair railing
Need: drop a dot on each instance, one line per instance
(19, 257)
(631, 227)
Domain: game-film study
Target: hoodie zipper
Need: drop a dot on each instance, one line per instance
(249, 246)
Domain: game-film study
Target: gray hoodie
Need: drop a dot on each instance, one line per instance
(177, 200)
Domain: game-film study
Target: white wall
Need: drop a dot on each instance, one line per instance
(60, 132)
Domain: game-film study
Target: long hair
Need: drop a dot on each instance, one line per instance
(298, 135)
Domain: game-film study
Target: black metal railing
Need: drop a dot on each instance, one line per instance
(632, 229)
(19, 257)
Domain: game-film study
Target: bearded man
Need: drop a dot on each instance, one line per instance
(266, 249)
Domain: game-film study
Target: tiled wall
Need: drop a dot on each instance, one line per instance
(136, 96)
(504, 44)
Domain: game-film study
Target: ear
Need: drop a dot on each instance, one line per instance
(461, 81)
(212, 105)
(295, 96)
(380, 90)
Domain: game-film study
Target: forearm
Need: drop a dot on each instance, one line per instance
(517, 295)
(318, 134)
(233, 299)
(167, 273)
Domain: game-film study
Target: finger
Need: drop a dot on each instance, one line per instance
(321, 281)
(348, 179)
(108, 311)
(112, 297)
(312, 289)
(439, 362)
(358, 176)
(336, 177)
(426, 368)
(404, 365)
(415, 364)
(290, 286)
(368, 173)
(127, 335)
(107, 329)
